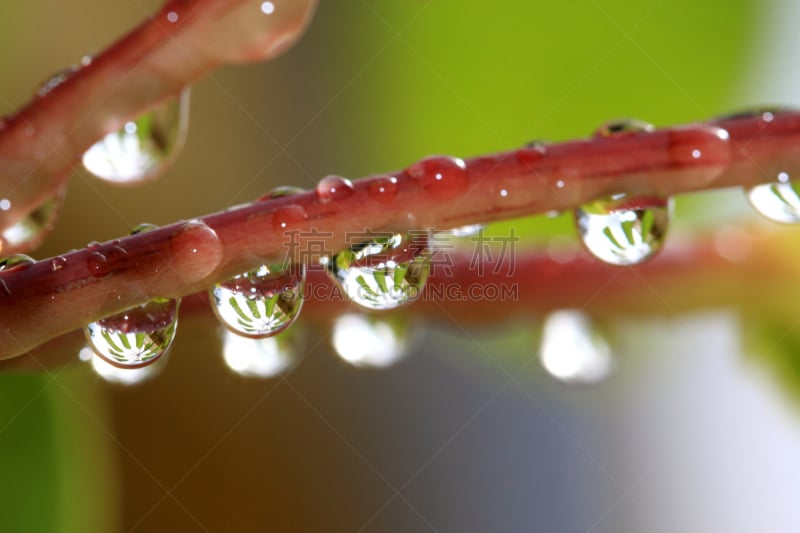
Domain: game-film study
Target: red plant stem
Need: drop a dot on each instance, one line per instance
(42, 143)
(179, 259)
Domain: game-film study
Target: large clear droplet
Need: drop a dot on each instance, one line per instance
(136, 337)
(624, 231)
(260, 358)
(15, 262)
(573, 350)
(385, 271)
(122, 376)
(262, 302)
(779, 201)
(368, 341)
(143, 147)
(30, 230)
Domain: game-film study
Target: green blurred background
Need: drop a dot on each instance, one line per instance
(682, 435)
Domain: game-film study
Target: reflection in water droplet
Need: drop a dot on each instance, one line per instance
(779, 201)
(122, 376)
(136, 337)
(27, 232)
(143, 147)
(573, 351)
(143, 228)
(624, 231)
(368, 341)
(58, 263)
(280, 192)
(626, 126)
(384, 272)
(262, 302)
(15, 262)
(260, 358)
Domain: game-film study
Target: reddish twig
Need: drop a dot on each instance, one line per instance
(40, 145)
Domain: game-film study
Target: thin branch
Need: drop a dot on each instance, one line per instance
(40, 145)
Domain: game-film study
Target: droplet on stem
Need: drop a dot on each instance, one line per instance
(142, 148)
(779, 201)
(137, 337)
(624, 231)
(384, 271)
(262, 302)
(31, 229)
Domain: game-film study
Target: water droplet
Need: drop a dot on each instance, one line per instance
(122, 376)
(624, 231)
(779, 202)
(383, 189)
(368, 341)
(15, 262)
(58, 263)
(143, 147)
(30, 230)
(626, 126)
(260, 358)
(286, 216)
(766, 114)
(281, 192)
(573, 350)
(136, 337)
(97, 264)
(334, 188)
(261, 302)
(532, 152)
(172, 17)
(384, 272)
(443, 177)
(143, 228)
(56, 79)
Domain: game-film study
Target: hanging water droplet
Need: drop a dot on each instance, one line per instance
(122, 376)
(15, 262)
(261, 302)
(260, 358)
(573, 350)
(334, 188)
(143, 147)
(30, 230)
(625, 126)
(779, 202)
(624, 231)
(368, 341)
(384, 272)
(136, 337)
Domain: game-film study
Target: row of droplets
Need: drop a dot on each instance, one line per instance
(382, 273)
